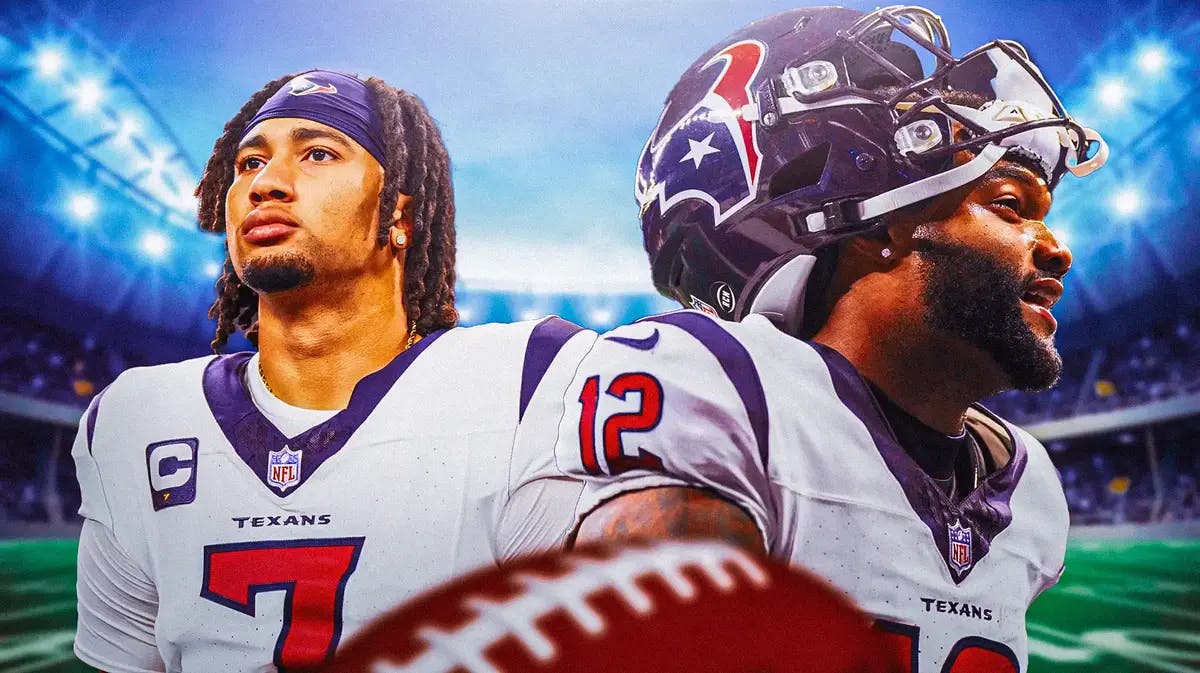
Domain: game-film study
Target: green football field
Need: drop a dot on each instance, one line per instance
(1122, 607)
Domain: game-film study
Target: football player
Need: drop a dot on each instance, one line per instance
(247, 511)
(867, 210)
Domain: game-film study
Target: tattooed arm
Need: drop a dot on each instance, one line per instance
(669, 513)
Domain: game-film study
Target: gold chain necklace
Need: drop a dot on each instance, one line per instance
(263, 377)
(412, 339)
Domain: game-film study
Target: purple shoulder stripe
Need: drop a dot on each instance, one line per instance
(92, 412)
(986, 511)
(737, 364)
(545, 341)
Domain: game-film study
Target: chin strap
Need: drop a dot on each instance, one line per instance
(914, 192)
(781, 297)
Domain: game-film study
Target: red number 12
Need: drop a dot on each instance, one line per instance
(973, 654)
(645, 418)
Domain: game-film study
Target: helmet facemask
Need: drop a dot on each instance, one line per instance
(1021, 112)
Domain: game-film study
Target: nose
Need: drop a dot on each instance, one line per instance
(1049, 253)
(273, 183)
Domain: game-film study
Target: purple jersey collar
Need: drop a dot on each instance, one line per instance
(255, 438)
(332, 98)
(986, 511)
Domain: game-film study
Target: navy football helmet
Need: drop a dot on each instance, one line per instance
(812, 125)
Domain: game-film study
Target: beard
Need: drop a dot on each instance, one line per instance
(977, 297)
(278, 273)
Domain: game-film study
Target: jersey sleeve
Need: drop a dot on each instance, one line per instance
(117, 607)
(539, 516)
(1049, 548)
(117, 603)
(673, 400)
(93, 505)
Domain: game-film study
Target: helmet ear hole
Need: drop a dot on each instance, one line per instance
(676, 273)
(805, 170)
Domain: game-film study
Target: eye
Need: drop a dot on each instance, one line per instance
(250, 164)
(321, 155)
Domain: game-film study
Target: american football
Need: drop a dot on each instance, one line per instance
(673, 606)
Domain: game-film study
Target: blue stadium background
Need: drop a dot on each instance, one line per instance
(106, 115)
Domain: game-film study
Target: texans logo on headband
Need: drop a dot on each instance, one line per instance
(708, 141)
(302, 86)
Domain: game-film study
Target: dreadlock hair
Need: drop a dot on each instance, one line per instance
(417, 165)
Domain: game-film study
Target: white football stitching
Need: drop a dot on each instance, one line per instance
(517, 617)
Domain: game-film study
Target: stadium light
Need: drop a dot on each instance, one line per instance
(1152, 59)
(156, 163)
(129, 125)
(82, 206)
(155, 244)
(1113, 92)
(1127, 202)
(212, 269)
(48, 62)
(88, 94)
(600, 316)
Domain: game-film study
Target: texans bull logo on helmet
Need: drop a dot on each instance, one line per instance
(711, 139)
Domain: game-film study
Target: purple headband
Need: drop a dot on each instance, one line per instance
(331, 98)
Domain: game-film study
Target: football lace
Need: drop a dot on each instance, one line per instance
(463, 648)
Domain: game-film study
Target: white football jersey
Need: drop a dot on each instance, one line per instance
(214, 540)
(789, 431)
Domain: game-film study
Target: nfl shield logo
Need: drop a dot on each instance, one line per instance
(960, 547)
(283, 468)
(701, 305)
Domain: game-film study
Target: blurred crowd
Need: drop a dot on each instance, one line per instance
(41, 362)
(1118, 486)
(1161, 363)
(37, 474)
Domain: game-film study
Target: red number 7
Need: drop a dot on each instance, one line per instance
(312, 572)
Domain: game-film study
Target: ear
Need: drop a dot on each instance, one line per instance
(893, 240)
(400, 233)
(402, 201)
(880, 248)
